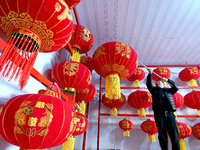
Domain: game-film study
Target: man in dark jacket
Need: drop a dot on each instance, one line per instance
(163, 107)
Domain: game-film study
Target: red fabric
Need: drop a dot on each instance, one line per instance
(163, 72)
(53, 30)
(149, 126)
(114, 103)
(140, 99)
(184, 130)
(189, 73)
(36, 121)
(139, 74)
(71, 74)
(81, 38)
(87, 94)
(88, 62)
(82, 124)
(196, 131)
(178, 100)
(72, 3)
(192, 100)
(125, 124)
(115, 57)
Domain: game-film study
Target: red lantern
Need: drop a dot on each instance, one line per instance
(190, 74)
(36, 121)
(87, 61)
(84, 96)
(81, 41)
(71, 76)
(192, 100)
(114, 61)
(126, 125)
(140, 100)
(184, 131)
(149, 127)
(178, 100)
(196, 131)
(31, 26)
(114, 104)
(136, 77)
(163, 72)
(72, 3)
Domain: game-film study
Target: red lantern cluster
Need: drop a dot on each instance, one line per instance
(126, 125)
(136, 77)
(149, 127)
(140, 100)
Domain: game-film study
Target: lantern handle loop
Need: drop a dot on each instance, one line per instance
(152, 71)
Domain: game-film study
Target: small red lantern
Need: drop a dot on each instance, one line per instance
(196, 131)
(36, 121)
(71, 76)
(163, 72)
(192, 100)
(114, 61)
(31, 27)
(87, 61)
(136, 77)
(140, 100)
(114, 104)
(190, 74)
(72, 3)
(178, 100)
(149, 127)
(126, 125)
(84, 96)
(81, 41)
(184, 131)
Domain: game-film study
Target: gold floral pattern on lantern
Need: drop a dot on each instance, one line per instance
(123, 49)
(99, 51)
(70, 68)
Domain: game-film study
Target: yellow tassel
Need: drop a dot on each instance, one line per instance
(126, 133)
(152, 138)
(141, 112)
(175, 114)
(113, 112)
(192, 83)
(69, 144)
(182, 144)
(198, 111)
(76, 56)
(82, 106)
(136, 83)
(113, 86)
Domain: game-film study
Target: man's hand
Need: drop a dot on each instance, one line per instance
(165, 79)
(150, 71)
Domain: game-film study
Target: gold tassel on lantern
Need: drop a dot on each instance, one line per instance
(136, 83)
(198, 111)
(141, 112)
(175, 114)
(192, 83)
(82, 106)
(126, 133)
(76, 56)
(182, 144)
(152, 138)
(69, 144)
(113, 112)
(113, 86)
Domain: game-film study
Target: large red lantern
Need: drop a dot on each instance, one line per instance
(136, 77)
(140, 100)
(114, 61)
(190, 74)
(84, 96)
(81, 41)
(192, 100)
(71, 77)
(184, 131)
(126, 125)
(36, 121)
(196, 131)
(113, 104)
(87, 61)
(149, 127)
(31, 26)
(72, 3)
(163, 72)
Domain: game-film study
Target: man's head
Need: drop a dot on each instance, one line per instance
(160, 84)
